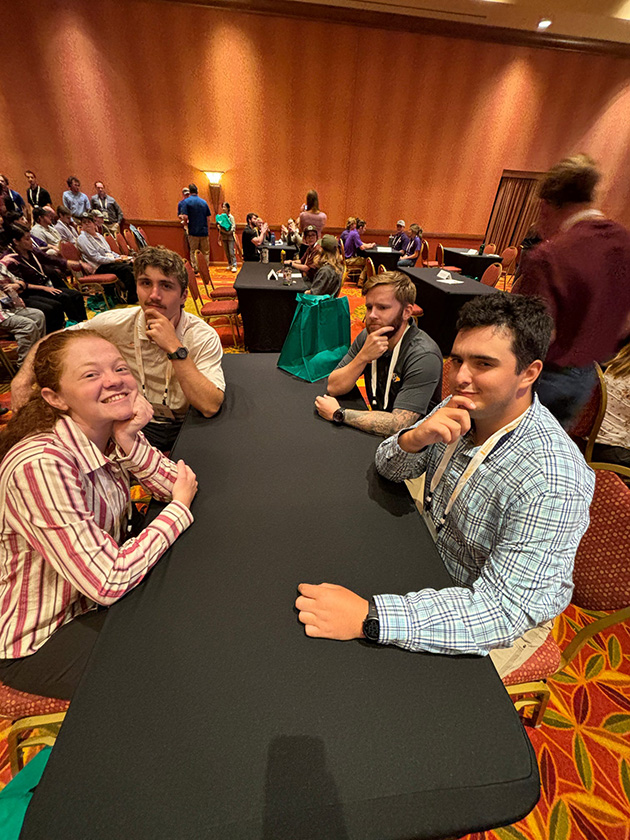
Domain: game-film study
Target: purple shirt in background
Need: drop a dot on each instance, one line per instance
(414, 245)
(353, 243)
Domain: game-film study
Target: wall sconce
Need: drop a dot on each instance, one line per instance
(214, 181)
(214, 178)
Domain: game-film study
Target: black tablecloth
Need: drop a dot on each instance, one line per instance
(472, 265)
(387, 258)
(206, 712)
(442, 302)
(266, 306)
(276, 250)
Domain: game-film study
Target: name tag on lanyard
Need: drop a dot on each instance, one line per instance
(160, 410)
(390, 373)
(475, 462)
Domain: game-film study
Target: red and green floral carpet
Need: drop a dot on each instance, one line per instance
(583, 745)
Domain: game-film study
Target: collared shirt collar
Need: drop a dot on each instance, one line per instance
(469, 448)
(87, 453)
(581, 216)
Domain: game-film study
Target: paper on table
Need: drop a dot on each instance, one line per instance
(272, 275)
(383, 248)
(472, 251)
(446, 277)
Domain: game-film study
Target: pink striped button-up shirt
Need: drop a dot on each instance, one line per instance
(63, 512)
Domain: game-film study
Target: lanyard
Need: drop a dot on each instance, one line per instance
(35, 201)
(37, 268)
(479, 457)
(140, 365)
(390, 372)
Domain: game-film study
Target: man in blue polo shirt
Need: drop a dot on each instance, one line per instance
(197, 213)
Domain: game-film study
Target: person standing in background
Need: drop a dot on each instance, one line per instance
(76, 201)
(226, 225)
(313, 215)
(197, 213)
(35, 195)
(582, 271)
(108, 206)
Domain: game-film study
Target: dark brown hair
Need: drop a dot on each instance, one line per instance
(37, 415)
(572, 181)
(312, 201)
(170, 263)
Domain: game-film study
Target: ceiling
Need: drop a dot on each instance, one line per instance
(573, 20)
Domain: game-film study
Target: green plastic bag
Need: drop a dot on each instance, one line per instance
(16, 796)
(319, 337)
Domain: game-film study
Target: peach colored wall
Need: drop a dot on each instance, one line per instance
(385, 124)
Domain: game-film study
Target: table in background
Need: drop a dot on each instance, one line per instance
(473, 265)
(206, 712)
(276, 250)
(383, 256)
(266, 306)
(441, 302)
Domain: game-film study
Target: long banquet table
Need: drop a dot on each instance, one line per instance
(441, 302)
(205, 711)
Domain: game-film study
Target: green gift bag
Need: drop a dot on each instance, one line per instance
(16, 796)
(319, 337)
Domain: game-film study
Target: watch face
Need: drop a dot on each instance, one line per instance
(371, 629)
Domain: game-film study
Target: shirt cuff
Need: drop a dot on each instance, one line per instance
(140, 456)
(395, 622)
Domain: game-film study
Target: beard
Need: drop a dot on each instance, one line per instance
(396, 323)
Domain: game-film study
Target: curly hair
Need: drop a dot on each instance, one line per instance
(157, 256)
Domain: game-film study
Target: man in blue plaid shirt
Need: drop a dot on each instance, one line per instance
(506, 497)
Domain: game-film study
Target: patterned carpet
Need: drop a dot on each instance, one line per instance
(583, 746)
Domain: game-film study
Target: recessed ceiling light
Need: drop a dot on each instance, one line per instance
(544, 23)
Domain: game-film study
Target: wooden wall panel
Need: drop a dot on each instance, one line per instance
(385, 124)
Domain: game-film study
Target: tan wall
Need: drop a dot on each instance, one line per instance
(384, 124)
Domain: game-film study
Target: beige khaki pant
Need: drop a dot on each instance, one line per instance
(506, 660)
(200, 243)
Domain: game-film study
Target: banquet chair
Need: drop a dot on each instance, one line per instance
(112, 243)
(432, 263)
(439, 260)
(508, 264)
(131, 241)
(216, 309)
(88, 284)
(143, 234)
(222, 292)
(381, 269)
(424, 254)
(491, 274)
(27, 712)
(8, 345)
(370, 271)
(122, 245)
(490, 249)
(587, 424)
(601, 579)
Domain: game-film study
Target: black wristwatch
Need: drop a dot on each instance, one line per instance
(180, 353)
(339, 416)
(371, 626)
